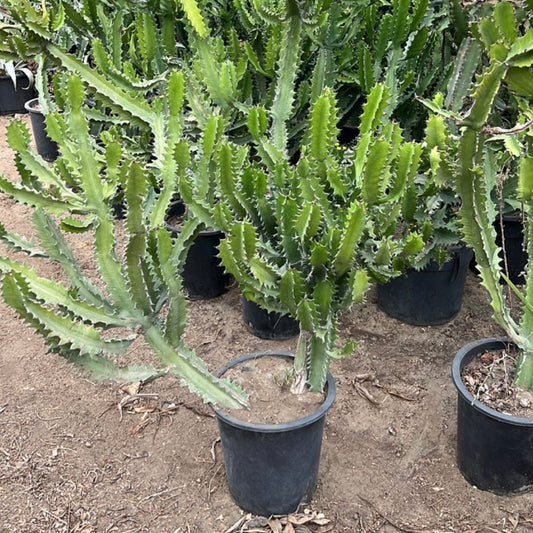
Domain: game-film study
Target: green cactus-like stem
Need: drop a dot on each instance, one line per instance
(300, 369)
(287, 70)
(137, 109)
(524, 369)
(193, 371)
(319, 354)
(526, 323)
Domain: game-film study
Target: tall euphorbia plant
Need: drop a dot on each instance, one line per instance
(307, 239)
(467, 160)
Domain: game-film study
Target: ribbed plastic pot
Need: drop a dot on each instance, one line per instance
(427, 297)
(203, 275)
(268, 325)
(12, 100)
(272, 468)
(46, 148)
(494, 450)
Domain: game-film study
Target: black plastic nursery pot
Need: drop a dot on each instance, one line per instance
(46, 148)
(203, 275)
(12, 99)
(515, 256)
(268, 325)
(494, 450)
(427, 297)
(272, 468)
(347, 134)
(513, 239)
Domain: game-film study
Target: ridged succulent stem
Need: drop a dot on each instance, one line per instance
(198, 379)
(287, 71)
(319, 354)
(524, 369)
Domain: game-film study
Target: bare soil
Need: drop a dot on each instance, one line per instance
(76, 456)
(268, 381)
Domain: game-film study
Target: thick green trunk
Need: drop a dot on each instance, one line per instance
(524, 370)
(300, 364)
(319, 354)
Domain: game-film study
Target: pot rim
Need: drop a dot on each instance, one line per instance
(284, 426)
(29, 105)
(458, 253)
(18, 75)
(460, 360)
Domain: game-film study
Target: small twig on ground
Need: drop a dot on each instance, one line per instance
(131, 398)
(157, 494)
(210, 490)
(138, 456)
(213, 452)
(364, 393)
(68, 517)
(361, 523)
(111, 406)
(405, 529)
(209, 341)
(397, 394)
(54, 516)
(48, 419)
(139, 427)
(195, 410)
(367, 376)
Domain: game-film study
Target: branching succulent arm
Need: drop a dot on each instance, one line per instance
(472, 167)
(138, 290)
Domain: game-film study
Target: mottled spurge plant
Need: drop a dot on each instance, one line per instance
(307, 239)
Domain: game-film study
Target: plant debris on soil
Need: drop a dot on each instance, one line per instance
(489, 378)
(77, 456)
(306, 522)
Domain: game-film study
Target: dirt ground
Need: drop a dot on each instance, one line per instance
(76, 456)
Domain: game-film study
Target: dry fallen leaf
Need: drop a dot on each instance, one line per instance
(275, 525)
(239, 523)
(132, 388)
(139, 427)
(298, 520)
(487, 358)
(289, 528)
